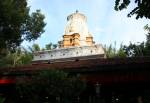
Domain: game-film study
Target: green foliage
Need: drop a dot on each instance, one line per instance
(146, 27)
(2, 99)
(141, 10)
(35, 47)
(19, 57)
(140, 49)
(134, 50)
(50, 46)
(34, 26)
(147, 43)
(54, 46)
(120, 52)
(17, 24)
(112, 52)
(49, 85)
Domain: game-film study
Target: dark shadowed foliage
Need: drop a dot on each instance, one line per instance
(50, 86)
(141, 10)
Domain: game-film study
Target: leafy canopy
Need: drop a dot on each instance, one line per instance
(48, 86)
(140, 49)
(141, 10)
(21, 56)
(17, 24)
(112, 52)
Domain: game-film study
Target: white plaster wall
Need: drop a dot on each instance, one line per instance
(68, 52)
(77, 23)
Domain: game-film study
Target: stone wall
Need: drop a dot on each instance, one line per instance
(68, 52)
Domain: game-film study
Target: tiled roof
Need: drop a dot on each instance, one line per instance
(105, 71)
(87, 64)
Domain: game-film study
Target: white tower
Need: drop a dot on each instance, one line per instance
(76, 31)
(77, 43)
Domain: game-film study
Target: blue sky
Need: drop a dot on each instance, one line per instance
(105, 24)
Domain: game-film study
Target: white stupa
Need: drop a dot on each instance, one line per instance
(77, 43)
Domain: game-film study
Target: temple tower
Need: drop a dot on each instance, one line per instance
(76, 31)
(77, 43)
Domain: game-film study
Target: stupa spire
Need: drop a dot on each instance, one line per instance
(76, 31)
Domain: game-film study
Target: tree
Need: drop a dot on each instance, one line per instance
(140, 49)
(50, 86)
(120, 53)
(17, 24)
(50, 46)
(147, 43)
(141, 10)
(35, 47)
(21, 56)
(112, 52)
(54, 46)
(134, 50)
(2, 99)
